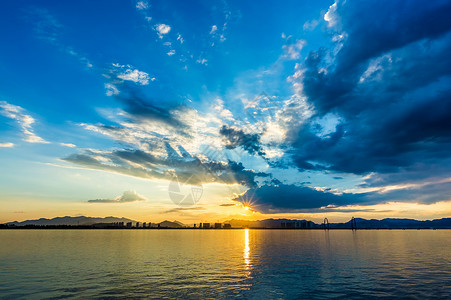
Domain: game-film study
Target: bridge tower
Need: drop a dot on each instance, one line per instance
(326, 224)
(353, 224)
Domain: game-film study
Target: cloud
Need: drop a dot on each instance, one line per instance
(310, 25)
(218, 32)
(331, 16)
(186, 168)
(282, 198)
(180, 38)
(143, 109)
(162, 29)
(372, 103)
(151, 136)
(171, 52)
(181, 209)
(387, 82)
(24, 121)
(111, 89)
(126, 197)
(238, 138)
(376, 103)
(6, 145)
(292, 51)
(142, 5)
(68, 145)
(127, 72)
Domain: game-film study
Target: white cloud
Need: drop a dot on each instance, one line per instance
(68, 145)
(171, 52)
(142, 5)
(331, 16)
(180, 38)
(202, 61)
(310, 25)
(111, 89)
(6, 145)
(162, 29)
(292, 51)
(25, 121)
(130, 74)
(218, 34)
(375, 68)
(127, 196)
(222, 111)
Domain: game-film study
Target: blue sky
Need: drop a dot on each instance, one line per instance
(301, 109)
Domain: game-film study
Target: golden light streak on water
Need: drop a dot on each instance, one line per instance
(246, 253)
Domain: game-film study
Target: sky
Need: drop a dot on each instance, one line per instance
(215, 110)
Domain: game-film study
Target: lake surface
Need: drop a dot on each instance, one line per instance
(247, 264)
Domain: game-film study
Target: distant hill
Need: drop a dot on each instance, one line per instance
(271, 223)
(391, 223)
(169, 224)
(82, 220)
(388, 223)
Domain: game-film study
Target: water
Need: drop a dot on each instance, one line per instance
(249, 264)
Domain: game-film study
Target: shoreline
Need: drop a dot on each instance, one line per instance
(59, 227)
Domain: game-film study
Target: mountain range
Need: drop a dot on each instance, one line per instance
(72, 221)
(388, 223)
(86, 221)
(391, 223)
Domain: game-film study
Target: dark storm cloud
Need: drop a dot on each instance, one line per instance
(376, 27)
(372, 28)
(293, 198)
(412, 174)
(389, 83)
(289, 198)
(238, 138)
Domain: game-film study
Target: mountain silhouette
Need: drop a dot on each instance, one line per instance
(81, 220)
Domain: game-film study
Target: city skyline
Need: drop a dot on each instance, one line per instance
(166, 110)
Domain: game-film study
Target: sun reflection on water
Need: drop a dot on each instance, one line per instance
(246, 253)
